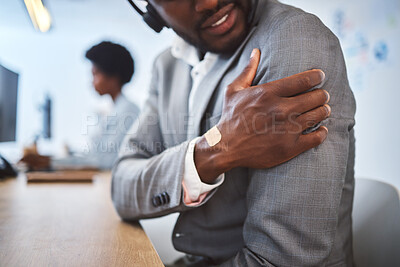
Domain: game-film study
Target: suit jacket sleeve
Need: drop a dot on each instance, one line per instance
(146, 169)
(293, 208)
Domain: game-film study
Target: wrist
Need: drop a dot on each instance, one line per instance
(210, 162)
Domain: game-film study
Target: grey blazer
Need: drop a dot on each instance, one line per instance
(295, 214)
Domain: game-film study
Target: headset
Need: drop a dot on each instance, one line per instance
(156, 22)
(151, 17)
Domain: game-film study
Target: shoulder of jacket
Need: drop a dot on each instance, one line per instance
(278, 15)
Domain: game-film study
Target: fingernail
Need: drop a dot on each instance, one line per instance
(328, 96)
(328, 109)
(326, 129)
(253, 53)
(322, 75)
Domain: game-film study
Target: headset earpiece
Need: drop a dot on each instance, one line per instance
(152, 19)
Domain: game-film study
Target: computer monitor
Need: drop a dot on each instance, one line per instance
(8, 104)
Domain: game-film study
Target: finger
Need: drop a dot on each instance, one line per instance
(313, 139)
(298, 83)
(308, 101)
(245, 79)
(313, 117)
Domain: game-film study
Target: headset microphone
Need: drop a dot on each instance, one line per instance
(151, 17)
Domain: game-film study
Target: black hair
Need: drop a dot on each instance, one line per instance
(112, 59)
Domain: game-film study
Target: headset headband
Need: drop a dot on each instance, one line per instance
(154, 20)
(151, 17)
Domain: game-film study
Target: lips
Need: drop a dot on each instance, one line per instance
(221, 22)
(219, 17)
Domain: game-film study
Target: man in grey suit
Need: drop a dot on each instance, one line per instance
(236, 147)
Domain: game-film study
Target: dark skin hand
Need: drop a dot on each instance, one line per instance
(262, 126)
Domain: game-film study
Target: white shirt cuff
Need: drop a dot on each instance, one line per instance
(194, 187)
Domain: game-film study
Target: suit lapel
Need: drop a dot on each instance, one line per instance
(208, 86)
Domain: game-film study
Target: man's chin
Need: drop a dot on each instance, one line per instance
(224, 45)
(224, 48)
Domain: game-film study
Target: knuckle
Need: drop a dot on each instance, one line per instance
(267, 92)
(263, 95)
(279, 112)
(322, 113)
(311, 122)
(328, 110)
(304, 81)
(247, 69)
(276, 86)
(230, 89)
(260, 93)
(319, 137)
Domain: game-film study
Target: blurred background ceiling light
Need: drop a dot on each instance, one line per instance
(40, 16)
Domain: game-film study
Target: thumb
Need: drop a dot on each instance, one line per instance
(245, 79)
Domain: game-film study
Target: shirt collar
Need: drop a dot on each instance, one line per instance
(184, 51)
(188, 53)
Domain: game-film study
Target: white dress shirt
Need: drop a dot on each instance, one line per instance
(195, 190)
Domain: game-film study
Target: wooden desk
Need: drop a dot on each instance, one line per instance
(67, 225)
